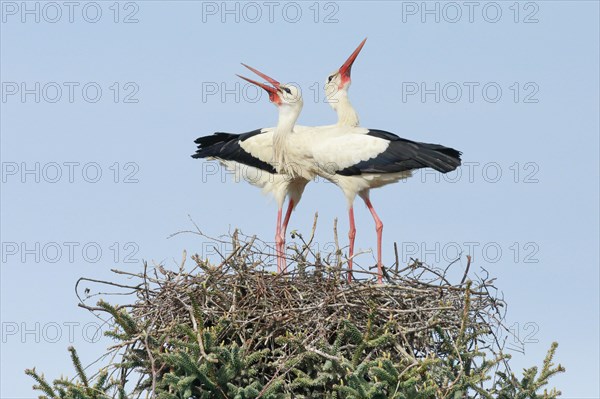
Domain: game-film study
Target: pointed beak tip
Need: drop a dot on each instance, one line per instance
(262, 75)
(345, 69)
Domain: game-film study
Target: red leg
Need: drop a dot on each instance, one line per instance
(351, 236)
(278, 241)
(283, 231)
(379, 229)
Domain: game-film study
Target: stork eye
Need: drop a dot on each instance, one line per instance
(288, 91)
(330, 77)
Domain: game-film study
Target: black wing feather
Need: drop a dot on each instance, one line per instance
(226, 146)
(403, 155)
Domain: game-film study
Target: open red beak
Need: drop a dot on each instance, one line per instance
(269, 89)
(345, 69)
(262, 75)
(273, 93)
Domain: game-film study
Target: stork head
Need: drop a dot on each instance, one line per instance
(284, 96)
(338, 82)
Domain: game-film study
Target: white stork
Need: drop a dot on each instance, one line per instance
(368, 162)
(253, 155)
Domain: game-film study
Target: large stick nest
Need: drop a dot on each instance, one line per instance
(252, 306)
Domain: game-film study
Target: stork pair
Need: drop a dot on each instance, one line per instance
(285, 158)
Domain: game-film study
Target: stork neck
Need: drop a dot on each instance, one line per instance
(347, 115)
(286, 121)
(285, 125)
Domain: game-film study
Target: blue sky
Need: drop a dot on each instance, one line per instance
(101, 104)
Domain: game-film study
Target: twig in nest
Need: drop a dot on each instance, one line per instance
(466, 270)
